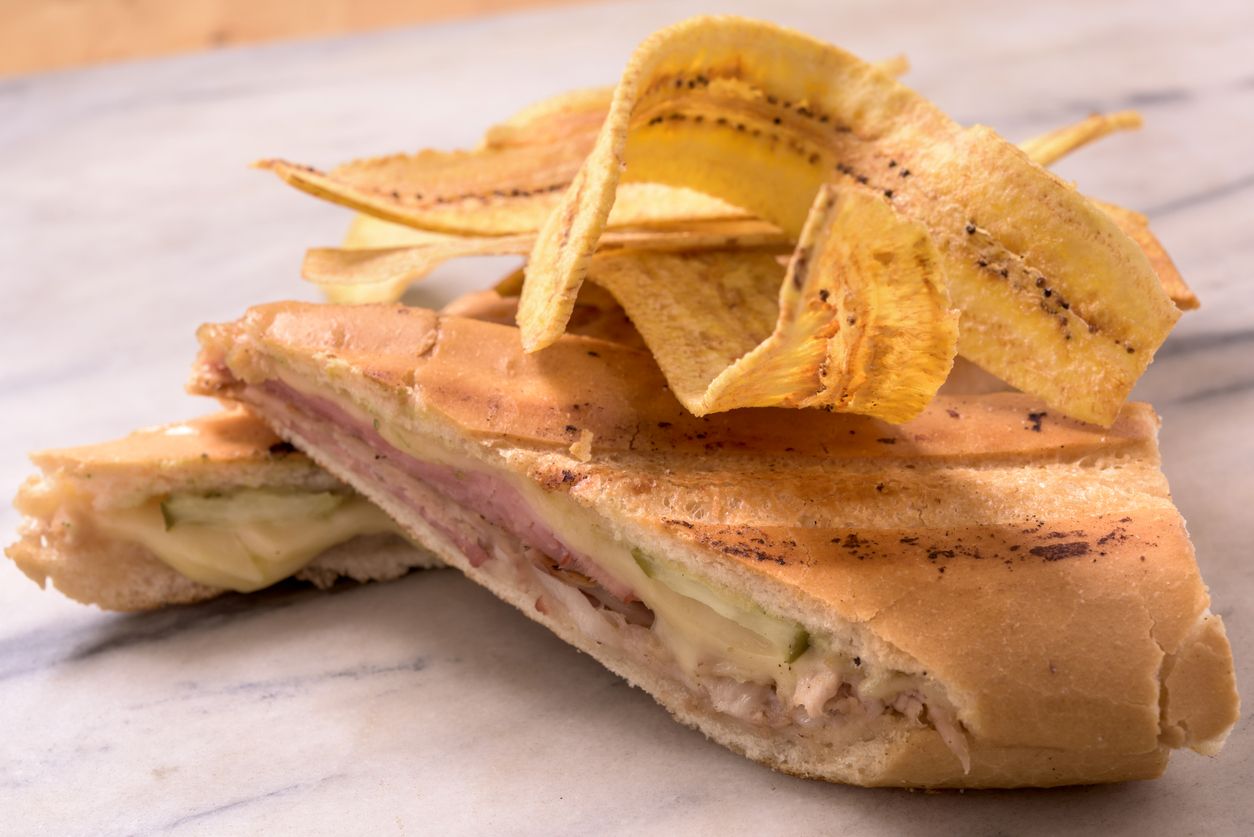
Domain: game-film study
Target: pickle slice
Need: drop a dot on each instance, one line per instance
(786, 639)
(248, 505)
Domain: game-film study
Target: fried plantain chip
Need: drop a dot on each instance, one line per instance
(486, 192)
(366, 231)
(1055, 298)
(1050, 147)
(557, 119)
(510, 285)
(1136, 226)
(553, 120)
(582, 111)
(859, 322)
(510, 183)
(382, 274)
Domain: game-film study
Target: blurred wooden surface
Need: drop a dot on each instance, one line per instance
(53, 34)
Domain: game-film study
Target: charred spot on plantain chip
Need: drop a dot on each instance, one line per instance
(1030, 216)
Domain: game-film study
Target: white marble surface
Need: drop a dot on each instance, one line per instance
(127, 216)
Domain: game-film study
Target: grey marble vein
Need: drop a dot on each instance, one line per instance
(128, 216)
(1195, 200)
(201, 818)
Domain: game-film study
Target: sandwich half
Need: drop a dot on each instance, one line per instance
(185, 512)
(987, 596)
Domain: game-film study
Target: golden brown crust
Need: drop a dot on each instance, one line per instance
(947, 598)
(229, 436)
(194, 455)
(1032, 566)
(58, 542)
(457, 366)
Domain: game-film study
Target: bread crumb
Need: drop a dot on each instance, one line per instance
(582, 450)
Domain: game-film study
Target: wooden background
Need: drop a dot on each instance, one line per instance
(40, 35)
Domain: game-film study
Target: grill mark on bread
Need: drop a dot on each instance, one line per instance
(1148, 595)
(1059, 551)
(1009, 545)
(629, 408)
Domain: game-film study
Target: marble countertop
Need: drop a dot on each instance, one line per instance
(129, 216)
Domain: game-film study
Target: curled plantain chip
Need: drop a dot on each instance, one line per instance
(484, 192)
(1136, 226)
(343, 282)
(367, 234)
(575, 113)
(366, 231)
(382, 273)
(1051, 147)
(507, 185)
(859, 322)
(1055, 298)
(554, 121)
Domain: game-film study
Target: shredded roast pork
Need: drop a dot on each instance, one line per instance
(487, 518)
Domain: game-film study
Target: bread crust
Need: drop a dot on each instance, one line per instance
(1033, 567)
(219, 452)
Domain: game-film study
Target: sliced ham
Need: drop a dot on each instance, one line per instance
(496, 500)
(485, 516)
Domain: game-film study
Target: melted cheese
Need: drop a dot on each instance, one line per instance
(242, 555)
(695, 626)
(703, 627)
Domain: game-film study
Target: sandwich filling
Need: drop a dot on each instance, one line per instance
(726, 651)
(240, 539)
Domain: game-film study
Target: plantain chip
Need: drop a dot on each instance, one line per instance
(382, 274)
(1050, 147)
(510, 285)
(510, 183)
(507, 185)
(553, 120)
(486, 192)
(366, 231)
(1055, 298)
(1136, 226)
(390, 257)
(859, 322)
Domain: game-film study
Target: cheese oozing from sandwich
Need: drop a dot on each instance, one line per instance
(183, 512)
(241, 540)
